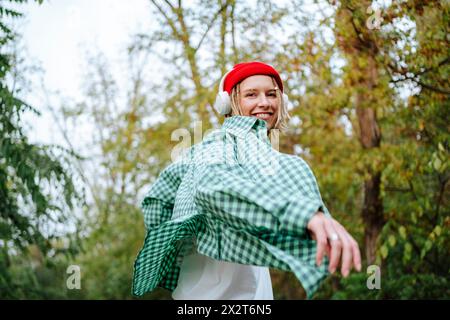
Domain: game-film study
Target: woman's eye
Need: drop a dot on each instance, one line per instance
(250, 95)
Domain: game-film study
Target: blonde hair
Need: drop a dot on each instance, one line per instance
(282, 116)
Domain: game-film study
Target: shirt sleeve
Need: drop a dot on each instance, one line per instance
(243, 196)
(157, 205)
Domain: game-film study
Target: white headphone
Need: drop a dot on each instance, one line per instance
(223, 101)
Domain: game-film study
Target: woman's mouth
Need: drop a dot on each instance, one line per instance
(263, 115)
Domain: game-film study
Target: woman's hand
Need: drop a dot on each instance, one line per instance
(334, 241)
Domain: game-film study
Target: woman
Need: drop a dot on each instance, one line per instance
(233, 206)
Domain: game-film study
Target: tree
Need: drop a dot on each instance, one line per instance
(36, 187)
(370, 115)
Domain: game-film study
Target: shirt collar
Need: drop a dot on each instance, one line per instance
(241, 125)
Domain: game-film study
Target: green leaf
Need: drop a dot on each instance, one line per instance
(402, 231)
(392, 240)
(407, 252)
(437, 164)
(413, 218)
(428, 245)
(437, 230)
(384, 251)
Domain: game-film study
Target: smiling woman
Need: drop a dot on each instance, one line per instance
(258, 95)
(232, 206)
(259, 99)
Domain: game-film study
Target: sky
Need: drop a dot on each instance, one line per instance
(57, 35)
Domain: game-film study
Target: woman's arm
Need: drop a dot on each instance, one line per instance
(230, 194)
(158, 204)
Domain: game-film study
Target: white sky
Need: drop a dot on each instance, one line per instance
(58, 34)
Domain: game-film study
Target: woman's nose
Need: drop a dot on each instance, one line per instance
(262, 100)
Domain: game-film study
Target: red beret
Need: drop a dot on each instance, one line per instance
(248, 69)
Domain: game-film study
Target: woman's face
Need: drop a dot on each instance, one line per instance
(258, 98)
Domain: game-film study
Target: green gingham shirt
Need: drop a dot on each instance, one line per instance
(233, 198)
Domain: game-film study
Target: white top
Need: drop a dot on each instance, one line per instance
(204, 278)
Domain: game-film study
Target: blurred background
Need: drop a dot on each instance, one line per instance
(91, 91)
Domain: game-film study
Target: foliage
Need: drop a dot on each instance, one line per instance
(338, 70)
(36, 187)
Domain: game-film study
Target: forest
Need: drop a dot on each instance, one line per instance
(368, 83)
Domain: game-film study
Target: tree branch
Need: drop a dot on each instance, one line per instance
(223, 32)
(211, 24)
(404, 72)
(233, 34)
(355, 28)
(168, 19)
(431, 88)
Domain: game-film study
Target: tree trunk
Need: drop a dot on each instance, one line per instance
(357, 44)
(372, 214)
(370, 137)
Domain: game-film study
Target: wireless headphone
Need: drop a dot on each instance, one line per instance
(223, 100)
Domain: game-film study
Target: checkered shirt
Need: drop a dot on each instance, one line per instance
(234, 198)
